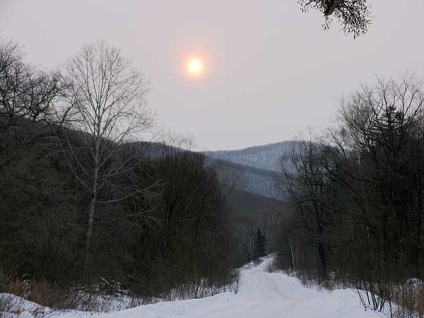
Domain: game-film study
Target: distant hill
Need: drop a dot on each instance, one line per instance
(255, 167)
(264, 157)
(258, 165)
(249, 179)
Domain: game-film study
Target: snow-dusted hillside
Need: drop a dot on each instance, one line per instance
(261, 295)
(259, 166)
(265, 157)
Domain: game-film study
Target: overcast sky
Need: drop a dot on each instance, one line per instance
(271, 70)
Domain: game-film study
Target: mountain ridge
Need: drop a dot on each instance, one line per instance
(259, 165)
(266, 157)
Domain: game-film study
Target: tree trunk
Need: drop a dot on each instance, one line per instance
(90, 221)
(292, 254)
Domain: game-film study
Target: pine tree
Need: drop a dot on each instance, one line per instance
(260, 245)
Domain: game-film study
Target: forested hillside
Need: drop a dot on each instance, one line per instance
(266, 157)
(83, 201)
(246, 178)
(257, 167)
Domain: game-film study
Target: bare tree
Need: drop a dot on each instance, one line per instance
(25, 92)
(9, 54)
(106, 104)
(358, 195)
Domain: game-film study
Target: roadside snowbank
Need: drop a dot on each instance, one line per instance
(261, 295)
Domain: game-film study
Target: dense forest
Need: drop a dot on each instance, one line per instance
(84, 203)
(356, 195)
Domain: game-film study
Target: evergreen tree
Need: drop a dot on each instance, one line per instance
(260, 245)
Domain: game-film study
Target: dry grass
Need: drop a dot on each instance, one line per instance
(409, 300)
(48, 298)
(39, 292)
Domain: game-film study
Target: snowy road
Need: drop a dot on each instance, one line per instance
(261, 295)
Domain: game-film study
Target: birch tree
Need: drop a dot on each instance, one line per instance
(106, 105)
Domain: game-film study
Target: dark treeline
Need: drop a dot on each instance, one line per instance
(173, 232)
(82, 200)
(357, 197)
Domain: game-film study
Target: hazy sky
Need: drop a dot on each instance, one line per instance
(271, 70)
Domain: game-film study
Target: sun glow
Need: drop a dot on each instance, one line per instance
(195, 67)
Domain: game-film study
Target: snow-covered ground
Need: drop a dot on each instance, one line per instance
(261, 295)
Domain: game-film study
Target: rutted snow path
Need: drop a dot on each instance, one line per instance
(261, 295)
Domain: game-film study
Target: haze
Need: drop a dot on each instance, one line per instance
(272, 71)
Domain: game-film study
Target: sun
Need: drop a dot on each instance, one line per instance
(195, 66)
